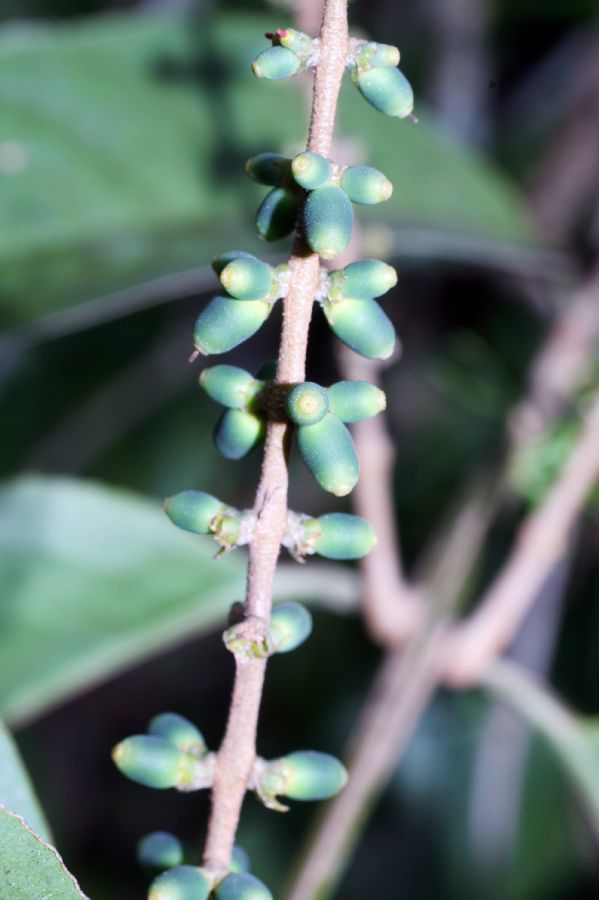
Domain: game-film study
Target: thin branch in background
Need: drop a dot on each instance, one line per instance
(237, 753)
(541, 542)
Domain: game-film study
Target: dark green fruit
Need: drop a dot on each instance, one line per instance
(328, 219)
(181, 883)
(230, 386)
(247, 279)
(225, 323)
(328, 450)
(180, 732)
(272, 169)
(242, 886)
(363, 326)
(194, 511)
(290, 626)
(237, 432)
(159, 850)
(311, 170)
(277, 214)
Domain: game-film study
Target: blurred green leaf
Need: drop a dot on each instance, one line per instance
(122, 150)
(31, 869)
(16, 791)
(95, 579)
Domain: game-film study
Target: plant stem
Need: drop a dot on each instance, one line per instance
(238, 750)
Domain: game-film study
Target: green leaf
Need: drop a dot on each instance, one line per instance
(95, 579)
(124, 139)
(16, 791)
(31, 869)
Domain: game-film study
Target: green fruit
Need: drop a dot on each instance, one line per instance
(193, 511)
(181, 883)
(296, 41)
(267, 371)
(363, 326)
(388, 90)
(343, 536)
(309, 775)
(328, 450)
(247, 279)
(223, 259)
(352, 401)
(153, 761)
(311, 170)
(307, 403)
(328, 218)
(225, 323)
(372, 54)
(276, 63)
(180, 732)
(277, 214)
(230, 386)
(242, 886)
(271, 169)
(366, 185)
(240, 860)
(290, 626)
(362, 280)
(159, 850)
(237, 432)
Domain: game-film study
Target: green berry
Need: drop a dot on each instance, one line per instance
(328, 450)
(267, 371)
(230, 386)
(159, 850)
(296, 41)
(223, 259)
(276, 215)
(290, 626)
(225, 323)
(242, 886)
(271, 169)
(311, 170)
(372, 55)
(276, 63)
(343, 536)
(366, 185)
(363, 326)
(193, 511)
(362, 280)
(240, 860)
(181, 883)
(180, 732)
(328, 218)
(388, 90)
(247, 279)
(307, 403)
(153, 761)
(352, 401)
(237, 432)
(309, 775)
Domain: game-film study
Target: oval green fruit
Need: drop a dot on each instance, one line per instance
(159, 850)
(362, 280)
(230, 386)
(276, 63)
(193, 511)
(328, 450)
(225, 323)
(223, 259)
(237, 432)
(242, 886)
(290, 626)
(309, 775)
(353, 401)
(247, 279)
(366, 185)
(343, 536)
(152, 761)
(307, 403)
(363, 326)
(272, 169)
(311, 170)
(180, 883)
(180, 732)
(388, 90)
(328, 218)
(277, 214)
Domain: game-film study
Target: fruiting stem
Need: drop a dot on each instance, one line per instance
(237, 753)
